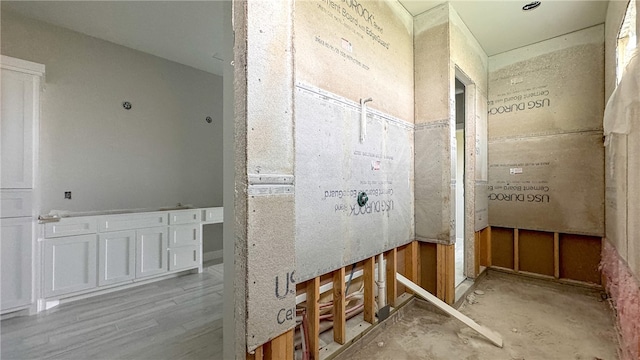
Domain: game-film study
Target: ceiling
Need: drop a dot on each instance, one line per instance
(190, 32)
(502, 25)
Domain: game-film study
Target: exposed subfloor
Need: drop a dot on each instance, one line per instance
(178, 318)
(537, 320)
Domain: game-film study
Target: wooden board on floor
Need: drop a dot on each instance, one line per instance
(495, 338)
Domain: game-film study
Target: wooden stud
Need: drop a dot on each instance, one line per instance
(445, 273)
(477, 253)
(369, 298)
(516, 251)
(392, 284)
(280, 348)
(556, 255)
(411, 262)
(313, 317)
(257, 355)
(339, 321)
(489, 260)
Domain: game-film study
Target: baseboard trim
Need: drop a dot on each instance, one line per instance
(212, 255)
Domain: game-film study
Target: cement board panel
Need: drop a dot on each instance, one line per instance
(357, 49)
(433, 182)
(333, 167)
(556, 92)
(550, 183)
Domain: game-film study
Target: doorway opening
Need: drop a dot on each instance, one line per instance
(460, 184)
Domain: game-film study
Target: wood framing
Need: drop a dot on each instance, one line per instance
(445, 273)
(411, 262)
(369, 298)
(391, 269)
(313, 317)
(516, 250)
(280, 348)
(339, 321)
(556, 255)
(257, 354)
(489, 261)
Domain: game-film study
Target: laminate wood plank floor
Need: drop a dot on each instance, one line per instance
(177, 318)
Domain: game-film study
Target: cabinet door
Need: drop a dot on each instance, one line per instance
(151, 251)
(184, 235)
(116, 257)
(184, 257)
(69, 264)
(19, 108)
(16, 258)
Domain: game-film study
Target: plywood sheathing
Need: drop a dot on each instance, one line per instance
(536, 252)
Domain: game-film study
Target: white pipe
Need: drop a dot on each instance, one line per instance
(382, 298)
(363, 118)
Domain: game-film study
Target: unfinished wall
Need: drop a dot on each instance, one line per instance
(545, 135)
(470, 63)
(337, 156)
(444, 49)
(159, 153)
(434, 132)
(621, 251)
(264, 158)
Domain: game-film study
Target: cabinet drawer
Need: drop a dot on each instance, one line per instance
(184, 217)
(184, 235)
(132, 221)
(70, 227)
(15, 203)
(184, 257)
(212, 215)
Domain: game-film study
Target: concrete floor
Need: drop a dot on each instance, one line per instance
(537, 320)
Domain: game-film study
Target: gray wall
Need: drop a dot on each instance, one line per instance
(159, 153)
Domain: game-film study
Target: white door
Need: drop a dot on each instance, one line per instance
(116, 257)
(15, 266)
(19, 106)
(151, 251)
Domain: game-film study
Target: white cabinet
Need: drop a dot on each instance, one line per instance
(15, 265)
(19, 119)
(184, 235)
(184, 257)
(116, 257)
(212, 215)
(151, 251)
(69, 264)
(19, 107)
(184, 217)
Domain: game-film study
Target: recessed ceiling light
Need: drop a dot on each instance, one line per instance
(532, 5)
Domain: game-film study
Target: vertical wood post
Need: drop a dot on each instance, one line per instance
(313, 316)
(369, 299)
(339, 331)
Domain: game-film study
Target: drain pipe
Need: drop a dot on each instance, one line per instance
(382, 293)
(363, 118)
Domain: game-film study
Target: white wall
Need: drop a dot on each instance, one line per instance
(159, 153)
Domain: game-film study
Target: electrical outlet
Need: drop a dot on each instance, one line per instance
(67, 195)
